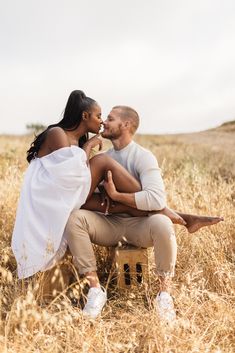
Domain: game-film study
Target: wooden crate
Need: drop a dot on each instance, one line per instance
(54, 281)
(132, 266)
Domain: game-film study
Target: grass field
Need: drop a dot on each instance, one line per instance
(199, 174)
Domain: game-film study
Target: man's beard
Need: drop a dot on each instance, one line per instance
(111, 135)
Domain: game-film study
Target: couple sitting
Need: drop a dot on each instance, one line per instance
(58, 206)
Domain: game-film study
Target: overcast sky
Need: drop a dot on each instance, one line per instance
(171, 60)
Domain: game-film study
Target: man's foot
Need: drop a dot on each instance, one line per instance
(165, 307)
(96, 300)
(194, 223)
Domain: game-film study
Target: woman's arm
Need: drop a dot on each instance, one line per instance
(91, 143)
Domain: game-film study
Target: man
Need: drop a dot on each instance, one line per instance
(85, 227)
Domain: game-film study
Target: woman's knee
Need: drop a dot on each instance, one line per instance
(106, 162)
(102, 159)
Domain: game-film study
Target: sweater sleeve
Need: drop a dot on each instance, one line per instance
(152, 196)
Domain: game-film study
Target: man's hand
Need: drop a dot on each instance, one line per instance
(105, 199)
(125, 198)
(174, 217)
(110, 187)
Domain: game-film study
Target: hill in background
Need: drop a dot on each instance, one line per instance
(228, 126)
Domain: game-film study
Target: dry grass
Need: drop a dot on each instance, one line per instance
(199, 178)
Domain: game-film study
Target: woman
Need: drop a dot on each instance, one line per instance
(61, 177)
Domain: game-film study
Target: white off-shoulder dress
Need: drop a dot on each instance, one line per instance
(53, 186)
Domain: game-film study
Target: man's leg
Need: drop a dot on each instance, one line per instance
(84, 228)
(157, 231)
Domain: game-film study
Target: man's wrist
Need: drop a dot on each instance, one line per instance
(125, 198)
(117, 196)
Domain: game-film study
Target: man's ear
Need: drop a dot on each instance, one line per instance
(127, 124)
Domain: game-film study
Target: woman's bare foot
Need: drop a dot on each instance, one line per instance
(194, 222)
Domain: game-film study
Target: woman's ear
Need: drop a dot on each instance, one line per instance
(85, 115)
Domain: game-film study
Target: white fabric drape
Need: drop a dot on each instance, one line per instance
(53, 186)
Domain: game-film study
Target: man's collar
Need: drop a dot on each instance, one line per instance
(123, 147)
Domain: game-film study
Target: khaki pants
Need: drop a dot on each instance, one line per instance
(86, 227)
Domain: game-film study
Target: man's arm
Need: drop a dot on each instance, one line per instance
(121, 197)
(152, 196)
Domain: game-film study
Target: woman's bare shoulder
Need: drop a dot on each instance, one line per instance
(57, 138)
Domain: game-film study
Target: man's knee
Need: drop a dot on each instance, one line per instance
(161, 226)
(77, 219)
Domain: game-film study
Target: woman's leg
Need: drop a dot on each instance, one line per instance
(101, 164)
(125, 182)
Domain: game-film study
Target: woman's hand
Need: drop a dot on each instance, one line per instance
(93, 142)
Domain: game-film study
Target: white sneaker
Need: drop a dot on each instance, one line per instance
(96, 300)
(165, 307)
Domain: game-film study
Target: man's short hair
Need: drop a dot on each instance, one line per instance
(128, 113)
